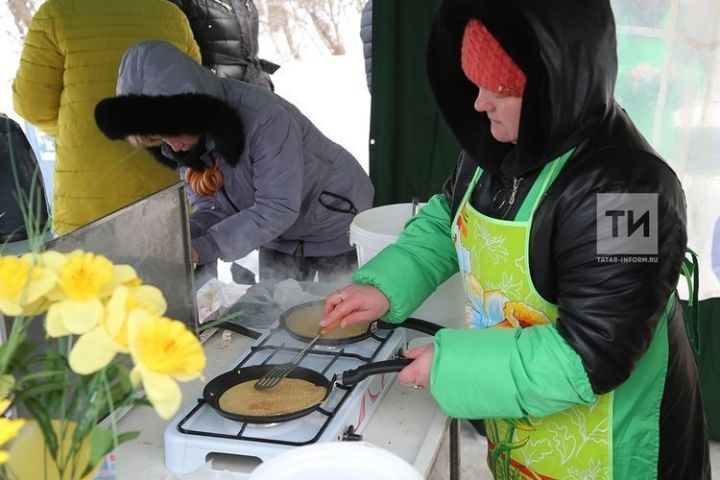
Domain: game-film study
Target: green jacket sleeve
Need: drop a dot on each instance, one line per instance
(507, 373)
(421, 259)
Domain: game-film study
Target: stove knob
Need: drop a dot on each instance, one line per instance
(350, 436)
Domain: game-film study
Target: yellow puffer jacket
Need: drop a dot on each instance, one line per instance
(69, 62)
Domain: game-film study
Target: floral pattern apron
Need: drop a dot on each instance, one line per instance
(493, 258)
(618, 435)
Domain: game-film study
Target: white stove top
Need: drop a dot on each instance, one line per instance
(198, 433)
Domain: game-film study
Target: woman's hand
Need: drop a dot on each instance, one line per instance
(418, 372)
(353, 304)
(194, 256)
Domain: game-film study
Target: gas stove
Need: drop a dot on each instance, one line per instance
(199, 434)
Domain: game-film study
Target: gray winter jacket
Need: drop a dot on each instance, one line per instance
(290, 188)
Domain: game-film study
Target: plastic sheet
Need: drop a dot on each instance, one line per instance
(215, 295)
(262, 304)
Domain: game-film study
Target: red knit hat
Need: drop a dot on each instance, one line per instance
(487, 64)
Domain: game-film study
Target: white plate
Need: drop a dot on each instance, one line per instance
(336, 460)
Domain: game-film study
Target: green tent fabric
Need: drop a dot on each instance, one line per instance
(708, 359)
(412, 151)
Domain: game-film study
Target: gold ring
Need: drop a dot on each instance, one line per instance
(342, 297)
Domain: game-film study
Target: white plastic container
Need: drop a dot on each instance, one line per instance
(336, 461)
(375, 229)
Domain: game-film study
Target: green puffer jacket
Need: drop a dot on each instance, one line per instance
(409, 270)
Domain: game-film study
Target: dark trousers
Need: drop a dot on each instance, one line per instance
(276, 265)
(240, 274)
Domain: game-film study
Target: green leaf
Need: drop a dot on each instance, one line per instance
(121, 387)
(12, 349)
(127, 436)
(42, 388)
(22, 352)
(44, 356)
(124, 376)
(516, 475)
(123, 437)
(521, 423)
(40, 414)
(88, 470)
(89, 418)
(505, 448)
(219, 321)
(36, 376)
(143, 402)
(101, 443)
(7, 382)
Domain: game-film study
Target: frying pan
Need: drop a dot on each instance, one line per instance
(411, 323)
(222, 383)
(285, 316)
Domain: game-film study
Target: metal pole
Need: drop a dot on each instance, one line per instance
(454, 449)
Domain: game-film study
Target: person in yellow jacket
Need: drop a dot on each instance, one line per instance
(69, 62)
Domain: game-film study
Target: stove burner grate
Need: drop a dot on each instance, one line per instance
(322, 415)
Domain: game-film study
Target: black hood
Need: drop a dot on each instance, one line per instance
(567, 50)
(169, 115)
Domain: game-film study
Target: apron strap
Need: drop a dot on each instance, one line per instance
(691, 271)
(547, 176)
(466, 195)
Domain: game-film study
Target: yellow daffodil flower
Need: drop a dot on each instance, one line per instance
(164, 351)
(23, 283)
(96, 348)
(8, 430)
(84, 281)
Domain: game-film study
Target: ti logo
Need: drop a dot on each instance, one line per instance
(627, 224)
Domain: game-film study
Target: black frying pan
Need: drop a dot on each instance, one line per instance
(322, 340)
(411, 323)
(222, 383)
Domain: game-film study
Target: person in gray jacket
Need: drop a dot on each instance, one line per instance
(259, 174)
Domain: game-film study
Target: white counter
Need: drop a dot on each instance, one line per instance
(407, 423)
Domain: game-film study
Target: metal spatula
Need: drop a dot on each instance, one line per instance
(278, 372)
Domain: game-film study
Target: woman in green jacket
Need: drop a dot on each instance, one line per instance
(569, 232)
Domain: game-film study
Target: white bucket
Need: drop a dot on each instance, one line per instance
(375, 229)
(334, 461)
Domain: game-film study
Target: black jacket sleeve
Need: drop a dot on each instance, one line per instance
(608, 308)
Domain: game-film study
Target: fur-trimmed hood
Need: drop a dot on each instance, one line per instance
(169, 115)
(567, 50)
(162, 91)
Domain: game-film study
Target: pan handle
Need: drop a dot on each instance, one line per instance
(242, 330)
(416, 324)
(357, 375)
